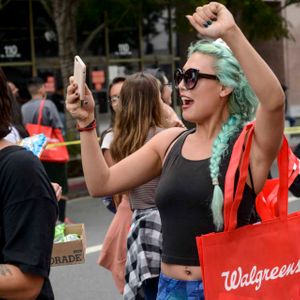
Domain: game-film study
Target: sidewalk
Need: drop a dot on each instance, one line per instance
(77, 187)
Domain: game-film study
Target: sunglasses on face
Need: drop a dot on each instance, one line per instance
(190, 77)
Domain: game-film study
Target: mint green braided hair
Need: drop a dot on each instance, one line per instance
(242, 105)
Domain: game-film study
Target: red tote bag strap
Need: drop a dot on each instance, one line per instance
(293, 172)
(40, 116)
(243, 149)
(283, 164)
(232, 205)
(234, 163)
(243, 174)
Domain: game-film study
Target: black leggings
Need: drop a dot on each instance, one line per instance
(150, 287)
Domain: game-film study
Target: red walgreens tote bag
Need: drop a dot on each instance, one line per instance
(260, 261)
(58, 154)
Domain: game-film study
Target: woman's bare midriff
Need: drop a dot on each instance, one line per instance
(181, 272)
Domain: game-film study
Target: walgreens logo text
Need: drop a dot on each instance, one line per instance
(237, 278)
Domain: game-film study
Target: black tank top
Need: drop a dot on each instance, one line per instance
(183, 198)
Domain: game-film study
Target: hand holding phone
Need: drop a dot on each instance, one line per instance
(80, 75)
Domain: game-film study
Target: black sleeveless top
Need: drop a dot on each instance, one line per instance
(183, 198)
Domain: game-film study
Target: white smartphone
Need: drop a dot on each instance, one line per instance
(80, 75)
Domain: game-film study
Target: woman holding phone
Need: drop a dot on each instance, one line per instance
(219, 86)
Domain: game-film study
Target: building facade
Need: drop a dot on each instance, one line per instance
(292, 60)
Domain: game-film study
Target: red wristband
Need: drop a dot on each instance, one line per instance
(89, 127)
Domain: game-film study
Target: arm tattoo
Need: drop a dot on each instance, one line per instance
(4, 270)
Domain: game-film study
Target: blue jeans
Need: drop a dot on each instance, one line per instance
(173, 289)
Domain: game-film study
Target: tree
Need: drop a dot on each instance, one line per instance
(257, 18)
(64, 14)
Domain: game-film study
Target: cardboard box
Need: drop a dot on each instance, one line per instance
(70, 253)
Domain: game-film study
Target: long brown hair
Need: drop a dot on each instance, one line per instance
(140, 110)
(5, 106)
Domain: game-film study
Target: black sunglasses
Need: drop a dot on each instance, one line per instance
(190, 77)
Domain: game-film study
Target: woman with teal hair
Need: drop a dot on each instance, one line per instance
(241, 105)
(223, 85)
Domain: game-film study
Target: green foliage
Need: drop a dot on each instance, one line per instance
(125, 12)
(90, 14)
(259, 19)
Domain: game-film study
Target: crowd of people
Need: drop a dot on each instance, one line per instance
(164, 183)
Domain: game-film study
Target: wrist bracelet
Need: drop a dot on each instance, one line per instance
(89, 127)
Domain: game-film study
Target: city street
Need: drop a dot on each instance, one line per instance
(88, 280)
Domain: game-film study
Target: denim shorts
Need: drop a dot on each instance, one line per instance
(173, 289)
